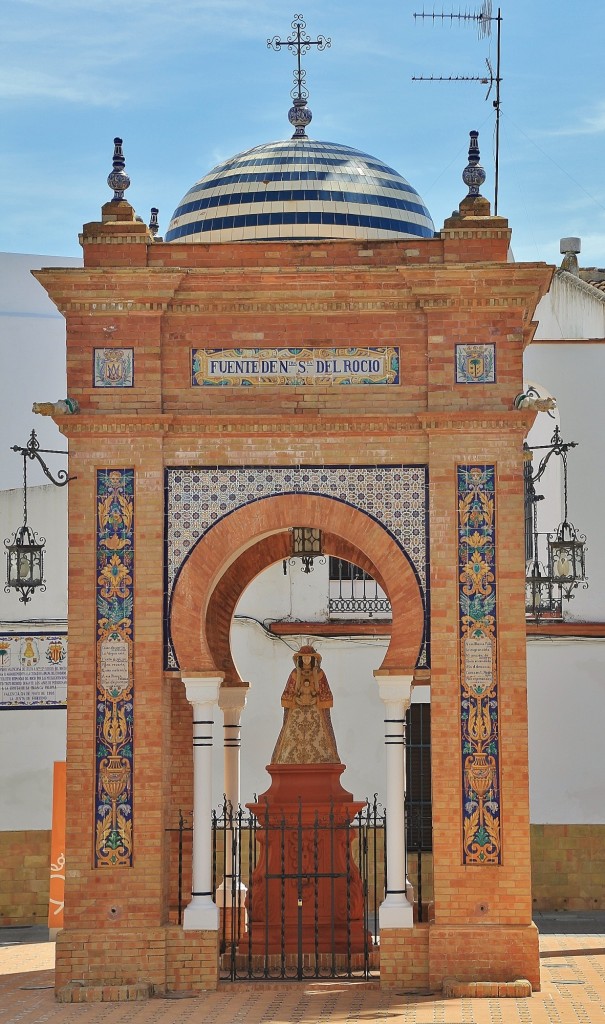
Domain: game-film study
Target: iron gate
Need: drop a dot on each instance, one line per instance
(299, 895)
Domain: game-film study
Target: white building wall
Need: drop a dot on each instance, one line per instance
(31, 742)
(32, 739)
(33, 352)
(575, 374)
(571, 309)
(32, 343)
(566, 707)
(566, 677)
(47, 516)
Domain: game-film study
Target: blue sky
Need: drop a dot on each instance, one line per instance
(190, 83)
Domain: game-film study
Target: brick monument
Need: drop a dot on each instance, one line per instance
(228, 391)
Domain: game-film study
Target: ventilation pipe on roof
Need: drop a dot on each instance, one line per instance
(570, 247)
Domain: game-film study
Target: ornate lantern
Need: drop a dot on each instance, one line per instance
(546, 586)
(25, 551)
(566, 556)
(306, 545)
(25, 561)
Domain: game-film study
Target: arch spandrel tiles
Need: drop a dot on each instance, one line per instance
(394, 496)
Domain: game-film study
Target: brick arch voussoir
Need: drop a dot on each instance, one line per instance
(223, 545)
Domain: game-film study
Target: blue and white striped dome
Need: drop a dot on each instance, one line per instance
(300, 189)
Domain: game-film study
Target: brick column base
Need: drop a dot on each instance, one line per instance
(191, 960)
(116, 965)
(494, 953)
(429, 956)
(404, 958)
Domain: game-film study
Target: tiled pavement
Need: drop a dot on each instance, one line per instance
(573, 991)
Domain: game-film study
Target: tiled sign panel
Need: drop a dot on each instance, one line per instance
(478, 665)
(249, 367)
(395, 496)
(33, 670)
(115, 696)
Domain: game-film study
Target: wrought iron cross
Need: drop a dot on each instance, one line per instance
(299, 42)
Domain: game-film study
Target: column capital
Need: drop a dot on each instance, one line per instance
(393, 687)
(233, 698)
(202, 688)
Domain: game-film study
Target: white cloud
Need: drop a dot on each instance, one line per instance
(29, 84)
(92, 52)
(592, 123)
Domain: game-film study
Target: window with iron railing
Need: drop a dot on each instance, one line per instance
(354, 593)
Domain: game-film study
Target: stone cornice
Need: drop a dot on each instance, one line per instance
(483, 422)
(103, 238)
(278, 308)
(463, 422)
(475, 232)
(191, 291)
(125, 307)
(128, 286)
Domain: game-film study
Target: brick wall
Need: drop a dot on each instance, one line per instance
(24, 877)
(165, 959)
(568, 867)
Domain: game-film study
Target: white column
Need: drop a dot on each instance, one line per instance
(202, 693)
(231, 701)
(395, 691)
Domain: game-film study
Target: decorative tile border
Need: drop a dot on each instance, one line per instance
(33, 670)
(253, 367)
(115, 681)
(475, 364)
(478, 665)
(395, 496)
(113, 367)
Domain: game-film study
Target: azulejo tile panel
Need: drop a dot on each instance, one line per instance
(475, 364)
(115, 680)
(395, 496)
(33, 670)
(113, 368)
(252, 367)
(478, 665)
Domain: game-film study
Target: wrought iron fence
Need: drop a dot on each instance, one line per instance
(253, 949)
(298, 895)
(179, 839)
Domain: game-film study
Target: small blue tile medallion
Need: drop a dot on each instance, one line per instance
(475, 364)
(113, 367)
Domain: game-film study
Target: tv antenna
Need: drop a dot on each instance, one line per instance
(483, 19)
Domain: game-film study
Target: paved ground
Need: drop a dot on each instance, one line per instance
(573, 979)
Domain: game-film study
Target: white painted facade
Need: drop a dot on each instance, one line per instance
(32, 739)
(566, 677)
(32, 340)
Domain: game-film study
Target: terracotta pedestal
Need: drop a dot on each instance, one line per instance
(323, 909)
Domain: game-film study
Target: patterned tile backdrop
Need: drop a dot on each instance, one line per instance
(395, 496)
